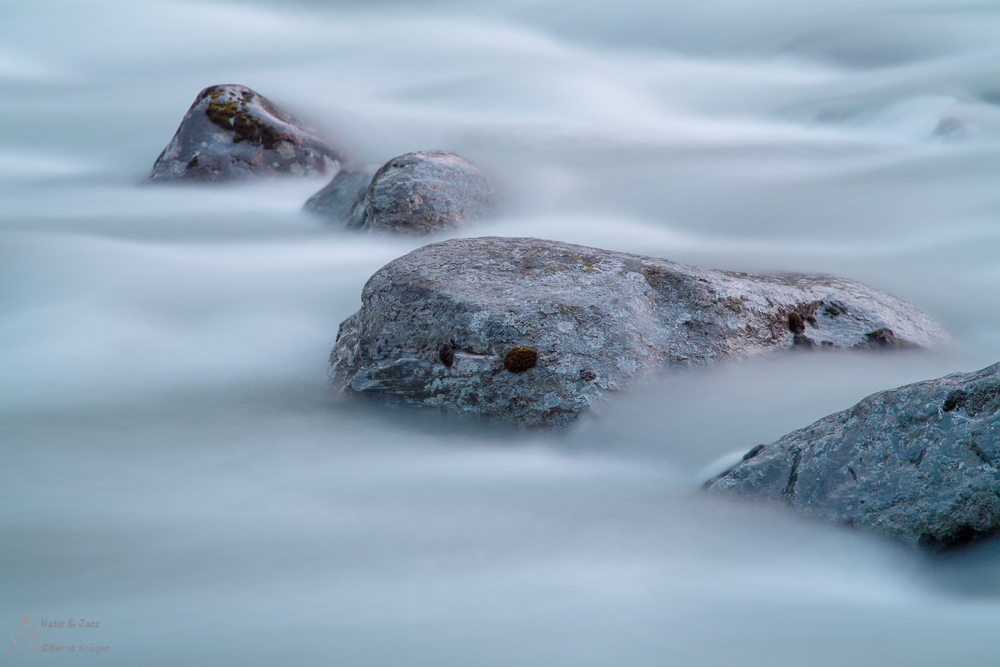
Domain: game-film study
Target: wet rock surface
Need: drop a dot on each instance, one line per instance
(233, 133)
(532, 332)
(335, 202)
(423, 193)
(918, 463)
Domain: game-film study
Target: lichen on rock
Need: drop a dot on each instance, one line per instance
(232, 133)
(537, 331)
(423, 193)
(519, 359)
(920, 463)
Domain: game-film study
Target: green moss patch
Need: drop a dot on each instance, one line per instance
(233, 115)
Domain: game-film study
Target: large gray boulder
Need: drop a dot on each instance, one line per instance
(918, 463)
(232, 133)
(423, 193)
(532, 332)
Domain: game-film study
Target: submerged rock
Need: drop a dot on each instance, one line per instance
(422, 193)
(335, 202)
(533, 332)
(918, 463)
(231, 133)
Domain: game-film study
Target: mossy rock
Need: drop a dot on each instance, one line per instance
(232, 133)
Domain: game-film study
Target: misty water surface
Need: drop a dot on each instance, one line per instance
(175, 467)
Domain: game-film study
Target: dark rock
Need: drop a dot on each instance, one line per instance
(795, 323)
(422, 193)
(955, 399)
(918, 463)
(595, 319)
(803, 342)
(881, 339)
(833, 309)
(447, 355)
(231, 133)
(335, 202)
(520, 359)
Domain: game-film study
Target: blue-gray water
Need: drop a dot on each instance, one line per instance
(174, 467)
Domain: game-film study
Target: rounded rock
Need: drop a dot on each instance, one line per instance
(423, 193)
(602, 318)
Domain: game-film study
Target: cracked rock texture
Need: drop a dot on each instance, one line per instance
(437, 326)
(919, 463)
(423, 193)
(232, 133)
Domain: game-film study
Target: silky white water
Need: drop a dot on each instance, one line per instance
(174, 467)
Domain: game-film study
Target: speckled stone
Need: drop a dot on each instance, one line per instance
(423, 193)
(232, 133)
(918, 463)
(595, 318)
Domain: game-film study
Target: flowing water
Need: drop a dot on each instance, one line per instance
(175, 468)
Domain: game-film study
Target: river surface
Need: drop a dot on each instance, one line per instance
(174, 467)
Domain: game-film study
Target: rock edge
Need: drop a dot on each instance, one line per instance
(918, 463)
